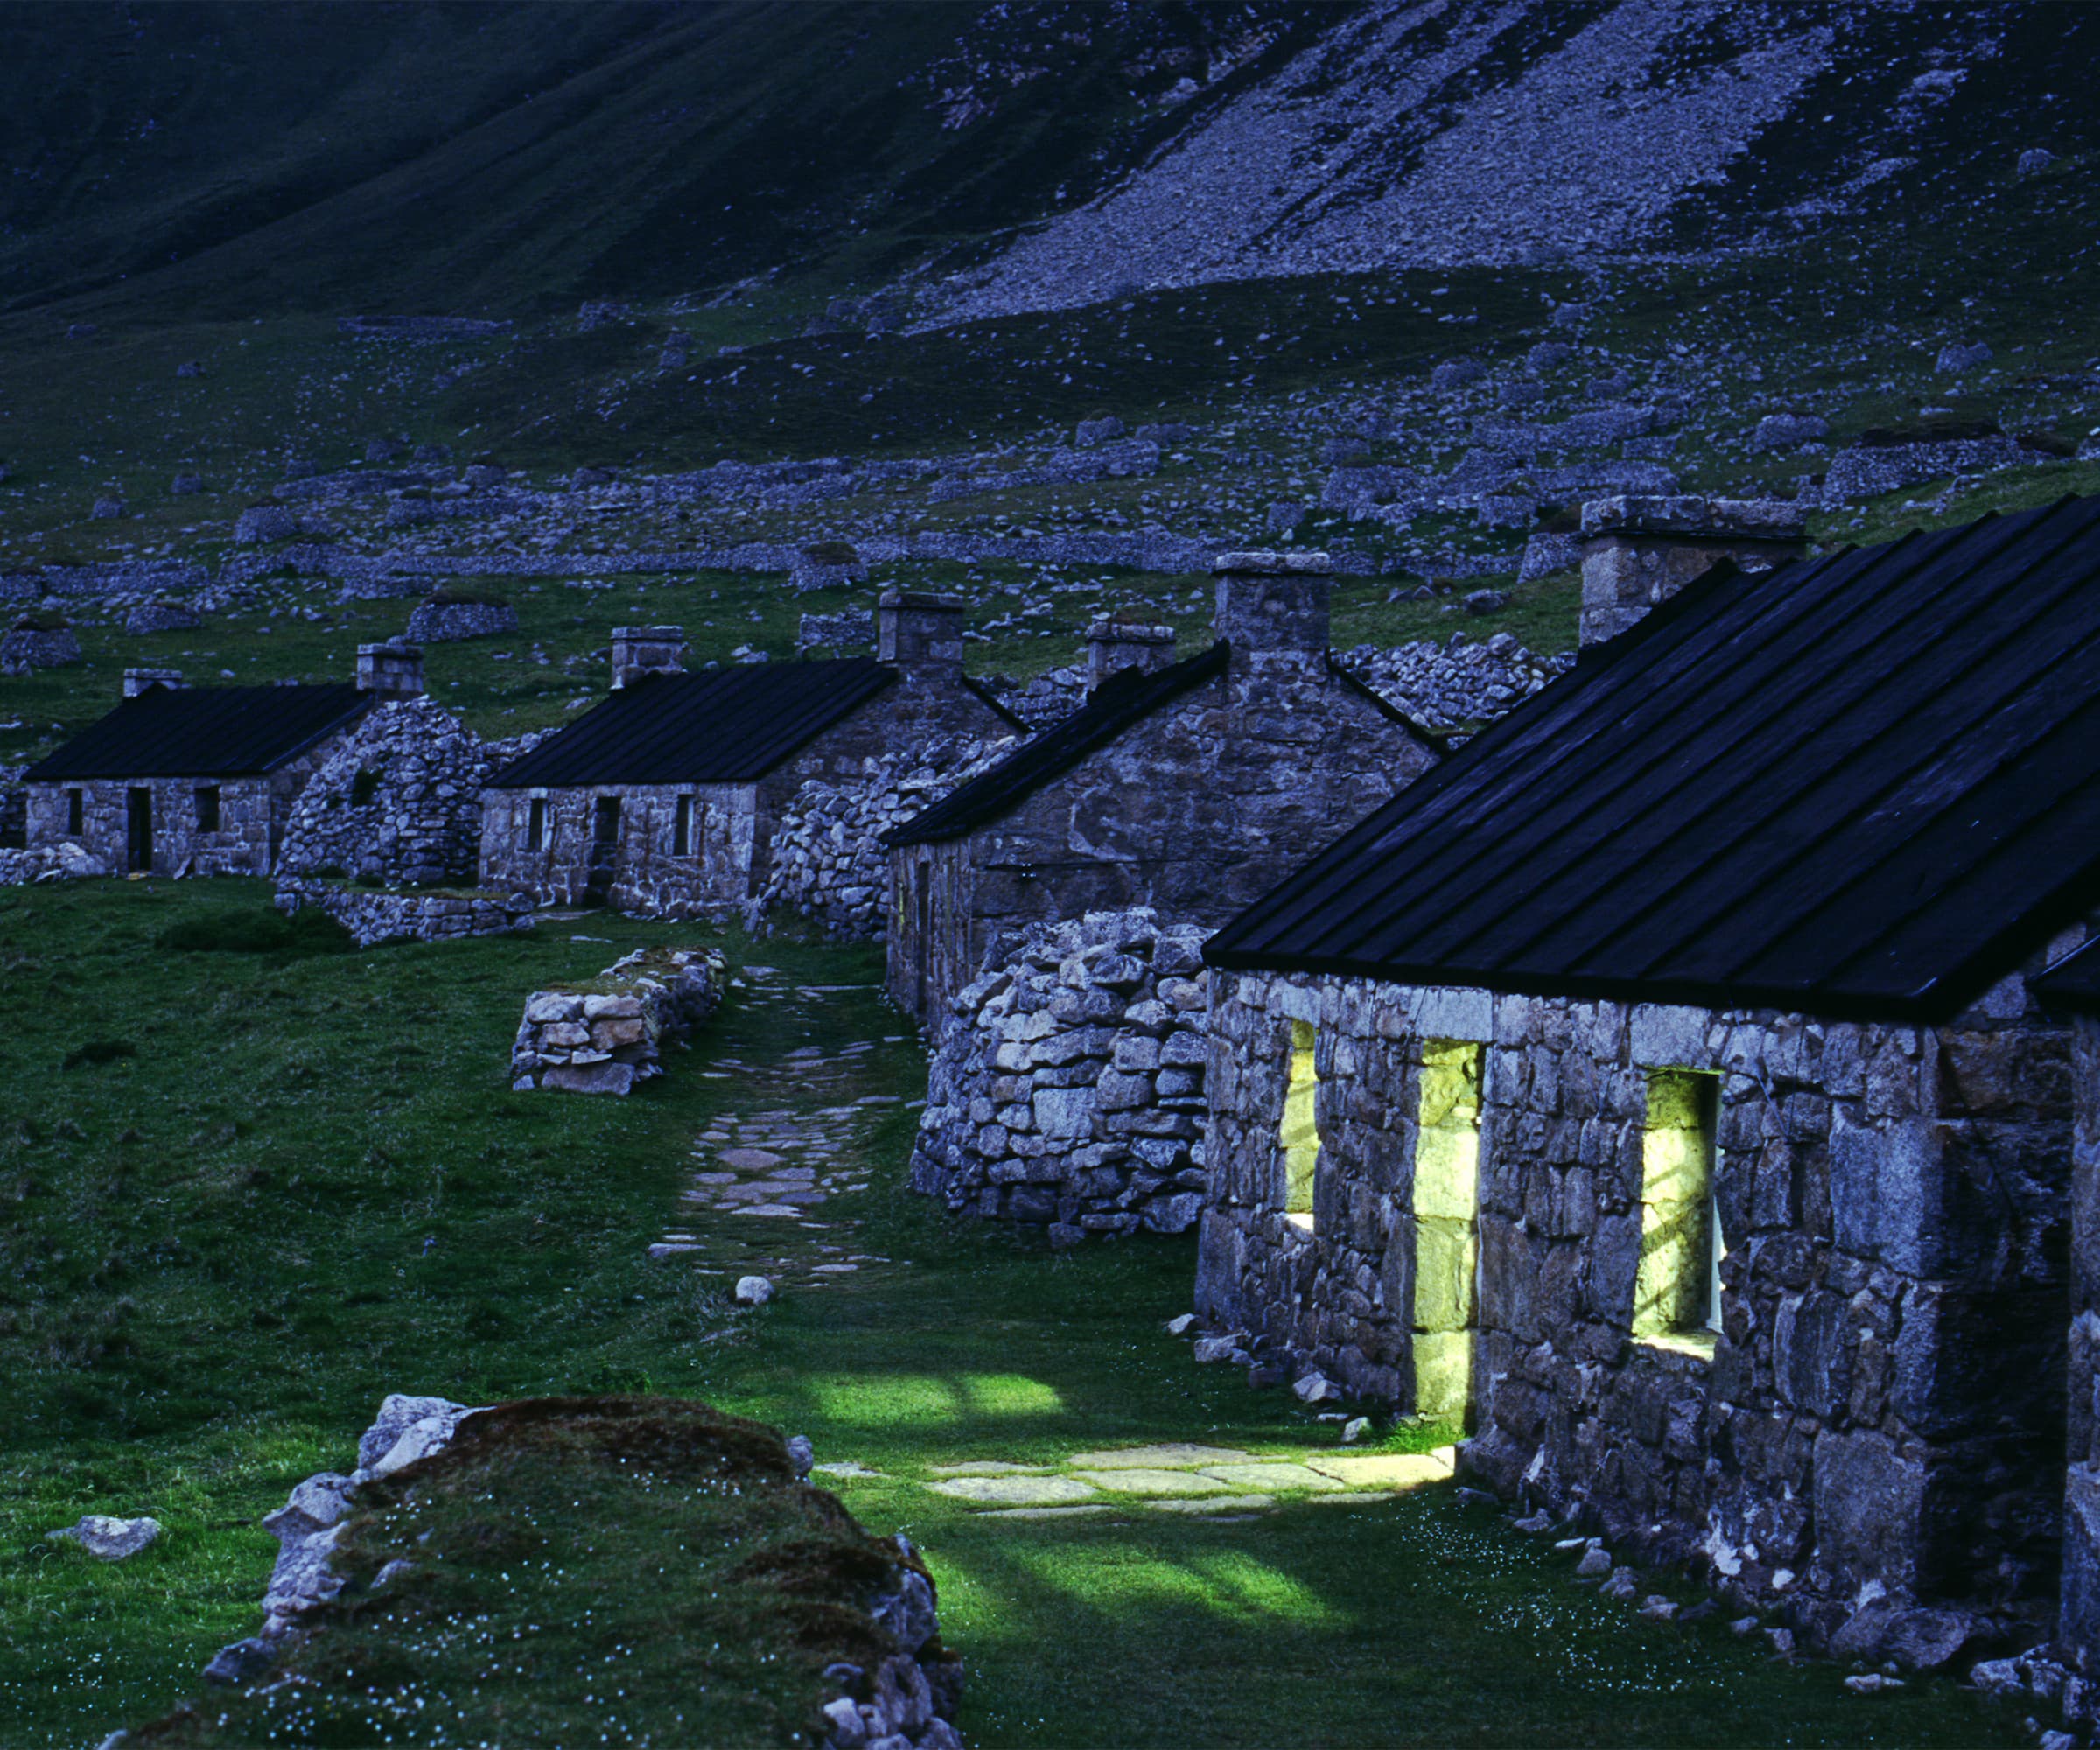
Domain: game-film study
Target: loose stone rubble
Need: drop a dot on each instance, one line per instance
(108, 1539)
(603, 1038)
(1068, 1088)
(32, 644)
(377, 914)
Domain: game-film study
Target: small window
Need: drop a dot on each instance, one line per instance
(76, 812)
(681, 828)
(1678, 1288)
(604, 822)
(1299, 1135)
(535, 829)
(207, 809)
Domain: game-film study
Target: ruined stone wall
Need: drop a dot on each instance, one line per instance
(1884, 1406)
(1194, 812)
(828, 862)
(397, 800)
(1069, 1087)
(253, 813)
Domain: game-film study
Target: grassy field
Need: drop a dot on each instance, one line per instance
(281, 1178)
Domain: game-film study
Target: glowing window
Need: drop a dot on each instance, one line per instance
(1678, 1288)
(1446, 1216)
(1299, 1135)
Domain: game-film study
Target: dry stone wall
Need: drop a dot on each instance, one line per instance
(448, 622)
(376, 914)
(828, 862)
(1443, 686)
(398, 800)
(1873, 1443)
(1068, 1086)
(251, 813)
(604, 1038)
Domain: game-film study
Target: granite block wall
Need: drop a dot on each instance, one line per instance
(1872, 1439)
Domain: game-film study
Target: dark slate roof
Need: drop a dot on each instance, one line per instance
(2074, 982)
(1126, 697)
(1866, 785)
(204, 732)
(725, 726)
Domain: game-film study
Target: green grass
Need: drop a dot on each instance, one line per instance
(308, 1185)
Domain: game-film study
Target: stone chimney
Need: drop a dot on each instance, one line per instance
(1638, 552)
(1116, 644)
(137, 680)
(1273, 602)
(919, 634)
(393, 671)
(640, 650)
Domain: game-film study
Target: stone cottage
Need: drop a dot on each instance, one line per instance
(1658, 1085)
(202, 780)
(1188, 787)
(665, 798)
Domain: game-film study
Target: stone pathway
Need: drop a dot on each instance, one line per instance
(767, 1168)
(1178, 1477)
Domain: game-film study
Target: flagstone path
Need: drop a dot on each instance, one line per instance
(771, 1163)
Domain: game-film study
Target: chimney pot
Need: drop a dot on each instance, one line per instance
(1638, 552)
(641, 650)
(919, 633)
(137, 680)
(1269, 602)
(1113, 645)
(393, 671)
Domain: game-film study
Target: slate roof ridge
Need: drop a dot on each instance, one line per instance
(1126, 698)
(205, 731)
(712, 725)
(1741, 799)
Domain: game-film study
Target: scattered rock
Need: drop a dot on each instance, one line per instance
(800, 1453)
(1316, 1388)
(1181, 1325)
(1596, 1562)
(2035, 158)
(1789, 431)
(1356, 1428)
(753, 1290)
(1959, 358)
(112, 1540)
(1872, 1682)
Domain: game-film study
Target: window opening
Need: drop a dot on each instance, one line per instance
(1678, 1287)
(1446, 1197)
(681, 828)
(207, 809)
(1299, 1135)
(139, 846)
(536, 827)
(76, 812)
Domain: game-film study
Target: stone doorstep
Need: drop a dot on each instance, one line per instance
(1016, 1491)
(1230, 1506)
(987, 1467)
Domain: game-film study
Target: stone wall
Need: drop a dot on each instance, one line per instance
(908, 1700)
(376, 914)
(2078, 1628)
(1068, 1086)
(30, 647)
(828, 862)
(606, 1037)
(252, 816)
(641, 870)
(1871, 1445)
(398, 798)
(447, 622)
(1194, 811)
